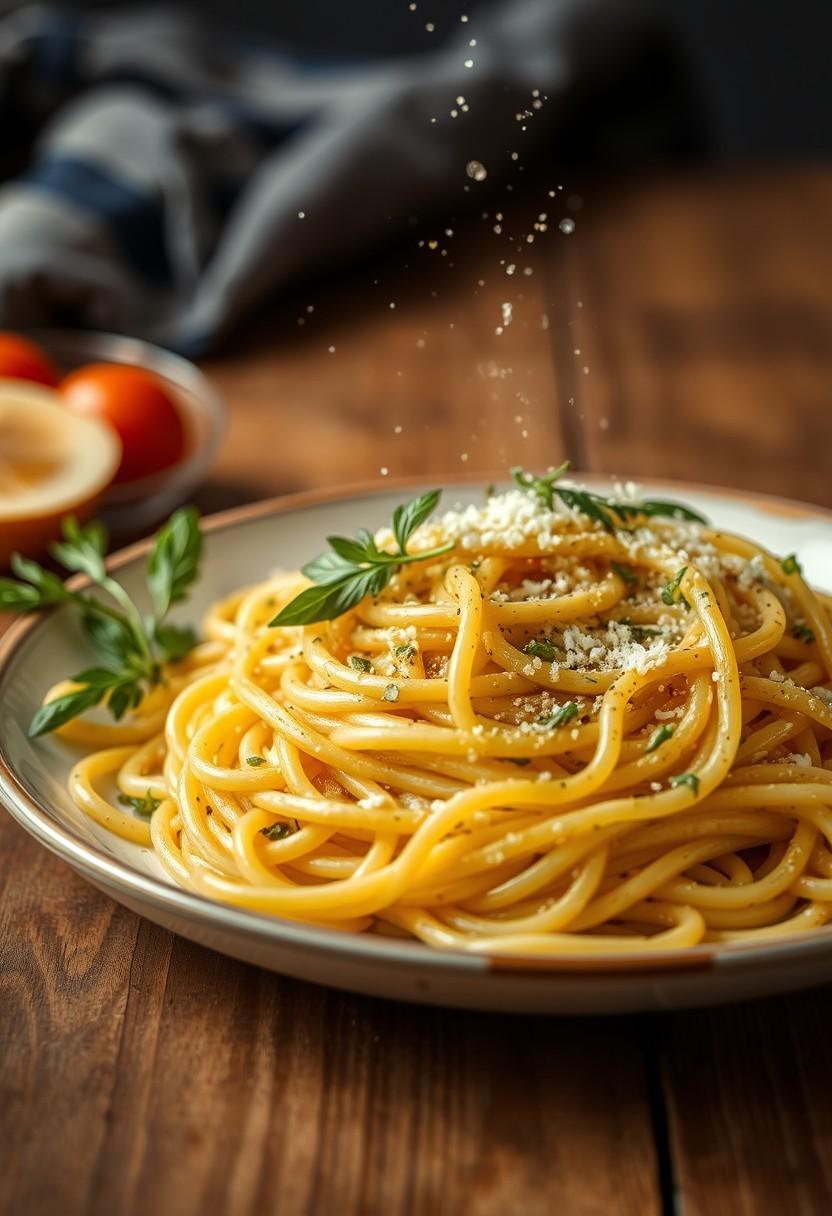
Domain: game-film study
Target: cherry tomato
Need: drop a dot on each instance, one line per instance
(20, 359)
(136, 405)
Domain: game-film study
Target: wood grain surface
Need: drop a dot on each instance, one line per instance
(142, 1074)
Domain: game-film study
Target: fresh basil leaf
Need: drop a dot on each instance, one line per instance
(174, 641)
(173, 565)
(112, 638)
(48, 587)
(82, 549)
(675, 510)
(62, 709)
(326, 601)
(19, 597)
(409, 516)
(351, 551)
(328, 568)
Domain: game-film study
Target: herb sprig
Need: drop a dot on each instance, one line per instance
(356, 567)
(133, 648)
(604, 511)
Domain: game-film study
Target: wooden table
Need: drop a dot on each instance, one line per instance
(142, 1074)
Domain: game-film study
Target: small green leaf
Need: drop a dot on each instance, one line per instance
(112, 638)
(359, 663)
(82, 549)
(628, 576)
(803, 633)
(142, 806)
(659, 736)
(541, 648)
(408, 517)
(325, 601)
(173, 565)
(276, 831)
(62, 709)
(670, 591)
(688, 779)
(255, 761)
(563, 714)
(174, 641)
(790, 565)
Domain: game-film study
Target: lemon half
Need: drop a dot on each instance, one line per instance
(52, 463)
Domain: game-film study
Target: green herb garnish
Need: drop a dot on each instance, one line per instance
(255, 761)
(360, 664)
(689, 779)
(803, 633)
(604, 511)
(408, 651)
(659, 736)
(142, 806)
(134, 647)
(624, 573)
(790, 565)
(565, 713)
(276, 831)
(541, 648)
(670, 591)
(640, 632)
(355, 568)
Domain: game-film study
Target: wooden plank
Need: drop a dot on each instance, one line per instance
(706, 328)
(748, 1095)
(143, 1073)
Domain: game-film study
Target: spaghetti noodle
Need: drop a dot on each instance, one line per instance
(557, 737)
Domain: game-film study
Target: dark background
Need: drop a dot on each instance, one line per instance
(757, 75)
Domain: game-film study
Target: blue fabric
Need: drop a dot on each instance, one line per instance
(181, 175)
(133, 217)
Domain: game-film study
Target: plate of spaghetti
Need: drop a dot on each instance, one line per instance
(553, 746)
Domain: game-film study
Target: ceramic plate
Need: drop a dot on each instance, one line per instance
(241, 546)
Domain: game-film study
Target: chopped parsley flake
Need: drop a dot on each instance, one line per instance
(276, 831)
(541, 648)
(628, 576)
(659, 736)
(689, 779)
(142, 806)
(560, 717)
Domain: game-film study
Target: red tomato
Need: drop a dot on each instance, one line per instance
(20, 359)
(134, 402)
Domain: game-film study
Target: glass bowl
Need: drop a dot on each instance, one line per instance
(134, 507)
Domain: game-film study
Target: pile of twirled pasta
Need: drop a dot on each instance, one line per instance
(554, 738)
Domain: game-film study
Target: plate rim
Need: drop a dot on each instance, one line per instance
(61, 840)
